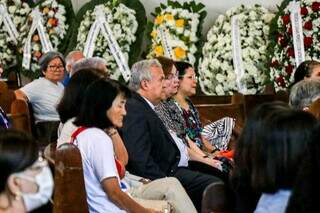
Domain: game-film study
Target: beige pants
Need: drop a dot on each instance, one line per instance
(158, 193)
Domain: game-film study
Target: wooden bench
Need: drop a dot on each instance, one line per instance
(251, 101)
(21, 116)
(69, 192)
(216, 199)
(7, 96)
(206, 99)
(212, 112)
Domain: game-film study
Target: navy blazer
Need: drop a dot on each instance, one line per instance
(152, 151)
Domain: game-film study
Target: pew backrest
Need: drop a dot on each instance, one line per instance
(69, 192)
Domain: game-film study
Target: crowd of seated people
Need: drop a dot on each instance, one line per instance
(143, 148)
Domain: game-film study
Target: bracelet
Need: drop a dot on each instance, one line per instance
(213, 151)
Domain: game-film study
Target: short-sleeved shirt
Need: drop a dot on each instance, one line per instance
(44, 97)
(98, 164)
(276, 202)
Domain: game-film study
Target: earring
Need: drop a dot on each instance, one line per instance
(17, 195)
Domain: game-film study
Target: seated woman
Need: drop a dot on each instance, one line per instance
(307, 70)
(185, 123)
(4, 121)
(68, 107)
(267, 157)
(25, 179)
(101, 174)
(44, 95)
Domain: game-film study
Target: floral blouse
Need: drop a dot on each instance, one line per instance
(182, 122)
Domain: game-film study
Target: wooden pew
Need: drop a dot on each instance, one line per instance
(50, 153)
(216, 199)
(212, 112)
(7, 96)
(20, 116)
(206, 99)
(69, 192)
(251, 101)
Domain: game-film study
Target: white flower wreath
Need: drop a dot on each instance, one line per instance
(123, 24)
(216, 70)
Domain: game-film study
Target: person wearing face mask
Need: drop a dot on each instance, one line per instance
(26, 182)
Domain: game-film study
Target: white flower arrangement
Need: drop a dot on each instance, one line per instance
(282, 60)
(181, 24)
(216, 70)
(17, 11)
(55, 25)
(123, 23)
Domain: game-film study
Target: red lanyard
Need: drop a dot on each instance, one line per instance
(76, 133)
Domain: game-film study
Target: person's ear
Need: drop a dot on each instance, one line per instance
(13, 184)
(144, 84)
(68, 68)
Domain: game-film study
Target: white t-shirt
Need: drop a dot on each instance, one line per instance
(98, 163)
(44, 97)
(65, 131)
(184, 155)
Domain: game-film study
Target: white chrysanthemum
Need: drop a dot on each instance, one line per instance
(218, 51)
(123, 24)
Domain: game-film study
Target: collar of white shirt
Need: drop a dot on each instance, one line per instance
(150, 104)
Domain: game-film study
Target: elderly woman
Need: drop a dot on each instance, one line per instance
(25, 179)
(304, 93)
(44, 94)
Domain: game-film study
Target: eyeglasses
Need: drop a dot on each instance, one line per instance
(193, 77)
(55, 67)
(172, 76)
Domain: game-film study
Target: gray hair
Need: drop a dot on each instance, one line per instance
(304, 93)
(49, 56)
(70, 56)
(141, 71)
(89, 63)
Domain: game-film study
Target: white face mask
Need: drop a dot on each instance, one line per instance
(44, 181)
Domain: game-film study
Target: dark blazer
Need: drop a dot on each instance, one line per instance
(152, 151)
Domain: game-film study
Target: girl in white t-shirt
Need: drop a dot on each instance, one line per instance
(103, 107)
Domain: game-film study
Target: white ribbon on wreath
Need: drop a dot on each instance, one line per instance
(236, 52)
(8, 23)
(101, 24)
(165, 43)
(297, 33)
(37, 24)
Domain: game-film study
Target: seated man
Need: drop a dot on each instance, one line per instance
(71, 58)
(304, 93)
(152, 151)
